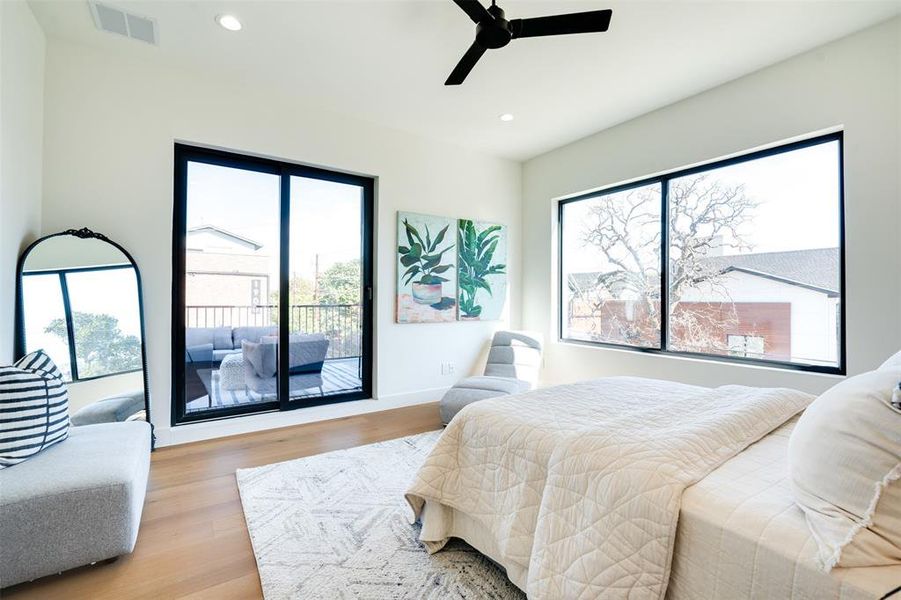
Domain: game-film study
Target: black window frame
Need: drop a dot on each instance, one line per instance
(187, 153)
(663, 179)
(70, 323)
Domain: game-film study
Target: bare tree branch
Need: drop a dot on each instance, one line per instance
(706, 217)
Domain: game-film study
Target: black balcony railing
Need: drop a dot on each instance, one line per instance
(342, 324)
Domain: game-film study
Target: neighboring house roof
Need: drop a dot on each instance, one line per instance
(226, 235)
(816, 269)
(583, 281)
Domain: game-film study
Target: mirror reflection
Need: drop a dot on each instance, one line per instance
(80, 304)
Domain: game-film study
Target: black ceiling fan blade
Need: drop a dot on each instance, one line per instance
(475, 10)
(469, 60)
(584, 22)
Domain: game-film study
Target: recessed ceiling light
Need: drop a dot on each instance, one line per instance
(229, 22)
(506, 117)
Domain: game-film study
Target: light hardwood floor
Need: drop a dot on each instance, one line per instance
(193, 542)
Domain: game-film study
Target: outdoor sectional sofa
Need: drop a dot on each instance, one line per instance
(211, 344)
(246, 359)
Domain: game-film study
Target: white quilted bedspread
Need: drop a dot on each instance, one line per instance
(578, 487)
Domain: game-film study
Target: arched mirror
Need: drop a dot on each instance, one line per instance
(79, 299)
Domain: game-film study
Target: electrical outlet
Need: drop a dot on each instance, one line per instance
(448, 368)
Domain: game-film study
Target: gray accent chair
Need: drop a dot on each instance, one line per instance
(512, 368)
(76, 503)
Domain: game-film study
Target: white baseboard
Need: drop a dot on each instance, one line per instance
(206, 430)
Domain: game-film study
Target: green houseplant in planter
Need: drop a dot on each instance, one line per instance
(422, 258)
(476, 251)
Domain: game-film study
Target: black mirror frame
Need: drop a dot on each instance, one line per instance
(84, 233)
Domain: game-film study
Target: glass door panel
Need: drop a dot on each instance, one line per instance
(325, 274)
(231, 288)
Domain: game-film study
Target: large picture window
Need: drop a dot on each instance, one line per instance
(741, 260)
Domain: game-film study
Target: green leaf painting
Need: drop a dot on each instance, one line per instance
(427, 268)
(482, 270)
(444, 275)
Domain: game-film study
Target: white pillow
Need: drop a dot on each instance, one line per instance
(894, 361)
(844, 460)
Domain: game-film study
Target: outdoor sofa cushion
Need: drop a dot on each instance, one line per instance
(250, 334)
(306, 351)
(306, 354)
(219, 337)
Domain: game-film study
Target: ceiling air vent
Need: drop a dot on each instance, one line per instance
(114, 20)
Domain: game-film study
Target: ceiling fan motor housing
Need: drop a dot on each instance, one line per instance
(494, 34)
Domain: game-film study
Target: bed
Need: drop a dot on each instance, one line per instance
(740, 535)
(717, 505)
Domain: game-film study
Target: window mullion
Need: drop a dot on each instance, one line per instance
(70, 325)
(664, 264)
(284, 284)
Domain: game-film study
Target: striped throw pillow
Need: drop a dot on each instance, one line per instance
(34, 408)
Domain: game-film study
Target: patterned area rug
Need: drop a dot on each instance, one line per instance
(335, 526)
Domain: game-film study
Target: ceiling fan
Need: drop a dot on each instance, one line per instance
(494, 31)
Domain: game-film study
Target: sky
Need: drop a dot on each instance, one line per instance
(798, 201)
(325, 216)
(797, 194)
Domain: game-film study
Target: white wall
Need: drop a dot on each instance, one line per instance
(21, 129)
(66, 252)
(111, 124)
(852, 83)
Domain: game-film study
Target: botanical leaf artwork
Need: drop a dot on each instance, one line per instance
(423, 258)
(482, 272)
(427, 264)
(443, 276)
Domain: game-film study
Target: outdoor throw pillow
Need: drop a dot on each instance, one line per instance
(262, 357)
(844, 460)
(35, 408)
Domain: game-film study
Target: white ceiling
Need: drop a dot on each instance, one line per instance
(386, 61)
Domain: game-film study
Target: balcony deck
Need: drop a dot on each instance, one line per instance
(339, 375)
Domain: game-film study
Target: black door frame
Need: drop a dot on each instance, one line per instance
(185, 153)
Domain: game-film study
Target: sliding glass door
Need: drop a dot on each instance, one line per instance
(271, 287)
(326, 287)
